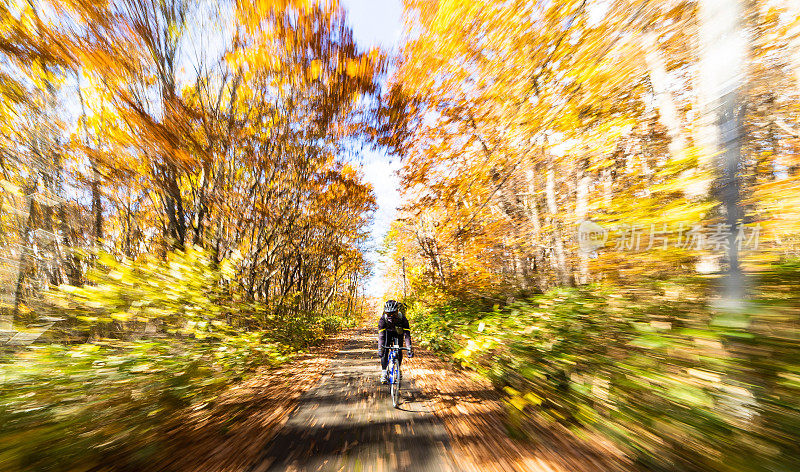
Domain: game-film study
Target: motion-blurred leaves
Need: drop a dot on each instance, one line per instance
(671, 384)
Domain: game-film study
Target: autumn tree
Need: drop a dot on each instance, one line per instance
(517, 122)
(223, 127)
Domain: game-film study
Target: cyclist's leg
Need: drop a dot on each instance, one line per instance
(399, 363)
(398, 355)
(385, 359)
(385, 356)
(391, 338)
(384, 364)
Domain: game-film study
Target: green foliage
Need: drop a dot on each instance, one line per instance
(302, 330)
(678, 385)
(186, 292)
(118, 391)
(77, 404)
(441, 327)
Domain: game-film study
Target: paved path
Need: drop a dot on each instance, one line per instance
(347, 423)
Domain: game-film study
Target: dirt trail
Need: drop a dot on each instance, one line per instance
(347, 422)
(326, 411)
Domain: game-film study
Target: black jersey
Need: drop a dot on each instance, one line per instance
(388, 331)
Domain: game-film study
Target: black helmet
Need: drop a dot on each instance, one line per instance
(391, 306)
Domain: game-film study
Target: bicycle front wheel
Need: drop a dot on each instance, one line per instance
(395, 386)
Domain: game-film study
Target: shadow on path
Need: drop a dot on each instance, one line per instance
(347, 423)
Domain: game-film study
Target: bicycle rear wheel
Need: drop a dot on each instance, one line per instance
(395, 386)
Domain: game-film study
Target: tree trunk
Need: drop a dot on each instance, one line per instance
(581, 212)
(723, 54)
(97, 207)
(552, 208)
(23, 255)
(536, 222)
(667, 110)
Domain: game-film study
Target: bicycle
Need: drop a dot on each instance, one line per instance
(394, 373)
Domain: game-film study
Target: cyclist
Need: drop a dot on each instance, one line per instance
(393, 325)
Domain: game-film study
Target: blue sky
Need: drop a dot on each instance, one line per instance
(375, 22)
(378, 23)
